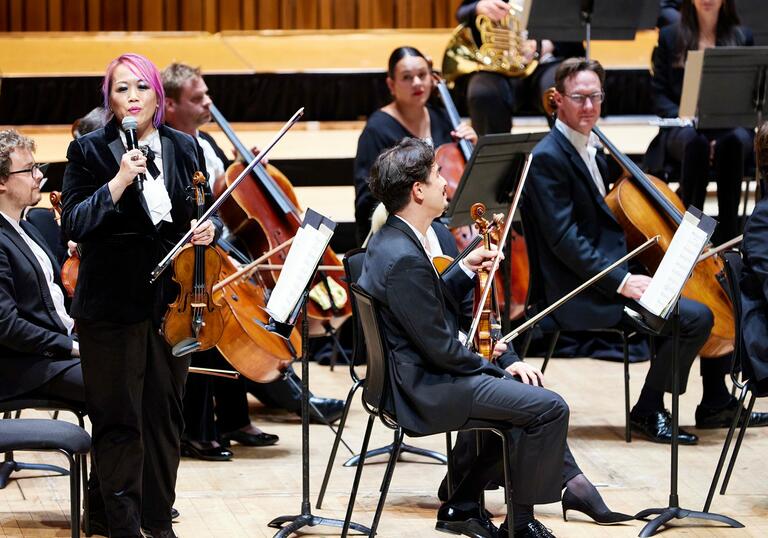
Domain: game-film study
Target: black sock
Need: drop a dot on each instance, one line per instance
(523, 514)
(713, 373)
(650, 401)
(582, 488)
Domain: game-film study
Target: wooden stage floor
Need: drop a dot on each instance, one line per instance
(238, 498)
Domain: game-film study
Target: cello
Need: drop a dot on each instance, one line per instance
(264, 213)
(645, 206)
(452, 158)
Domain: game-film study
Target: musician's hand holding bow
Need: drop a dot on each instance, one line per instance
(203, 234)
(481, 258)
(635, 286)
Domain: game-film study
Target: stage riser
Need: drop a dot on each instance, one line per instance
(274, 96)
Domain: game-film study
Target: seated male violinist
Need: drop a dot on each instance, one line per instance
(438, 384)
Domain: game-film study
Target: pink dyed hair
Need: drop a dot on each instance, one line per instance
(143, 68)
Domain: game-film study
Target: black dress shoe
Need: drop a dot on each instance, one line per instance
(174, 514)
(249, 439)
(330, 408)
(208, 453)
(710, 418)
(572, 502)
(534, 529)
(158, 533)
(657, 427)
(97, 524)
(467, 521)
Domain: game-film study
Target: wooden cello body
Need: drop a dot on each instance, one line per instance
(645, 206)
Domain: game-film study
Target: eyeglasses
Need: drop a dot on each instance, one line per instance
(37, 167)
(580, 98)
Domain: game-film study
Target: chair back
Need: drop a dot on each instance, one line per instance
(733, 264)
(353, 269)
(376, 388)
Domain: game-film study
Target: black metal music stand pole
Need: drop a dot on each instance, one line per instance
(289, 525)
(673, 511)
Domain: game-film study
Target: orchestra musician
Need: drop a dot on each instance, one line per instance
(133, 383)
(576, 236)
(438, 384)
(494, 98)
(410, 114)
(700, 152)
(187, 108)
(754, 280)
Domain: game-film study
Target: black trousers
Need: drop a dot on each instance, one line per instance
(691, 148)
(134, 389)
(493, 99)
(538, 420)
(695, 325)
(67, 385)
(213, 405)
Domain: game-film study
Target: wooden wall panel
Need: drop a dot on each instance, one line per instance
(216, 15)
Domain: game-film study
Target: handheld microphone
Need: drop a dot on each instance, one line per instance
(132, 140)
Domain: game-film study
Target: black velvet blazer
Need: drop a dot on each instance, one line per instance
(120, 245)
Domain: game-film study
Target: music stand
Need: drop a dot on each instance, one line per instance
(284, 329)
(741, 73)
(655, 322)
(571, 20)
(753, 13)
(491, 175)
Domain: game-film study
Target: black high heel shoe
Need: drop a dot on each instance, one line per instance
(572, 502)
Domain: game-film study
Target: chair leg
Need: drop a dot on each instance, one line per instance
(507, 484)
(336, 440)
(627, 429)
(736, 448)
(724, 451)
(551, 350)
(74, 492)
(526, 344)
(358, 474)
(449, 456)
(86, 500)
(387, 479)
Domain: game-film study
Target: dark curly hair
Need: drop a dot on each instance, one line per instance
(397, 169)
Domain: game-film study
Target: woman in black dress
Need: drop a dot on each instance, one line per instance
(409, 78)
(703, 24)
(133, 383)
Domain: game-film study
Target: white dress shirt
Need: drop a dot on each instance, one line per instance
(45, 264)
(212, 161)
(155, 193)
(431, 245)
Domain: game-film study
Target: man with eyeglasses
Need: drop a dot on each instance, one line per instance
(573, 235)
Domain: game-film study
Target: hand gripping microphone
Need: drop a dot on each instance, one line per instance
(132, 141)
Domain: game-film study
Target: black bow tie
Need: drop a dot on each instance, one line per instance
(152, 168)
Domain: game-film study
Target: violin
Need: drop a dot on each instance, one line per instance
(486, 305)
(263, 213)
(452, 158)
(194, 321)
(255, 352)
(71, 266)
(645, 206)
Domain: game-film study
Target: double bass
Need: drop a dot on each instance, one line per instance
(452, 158)
(263, 213)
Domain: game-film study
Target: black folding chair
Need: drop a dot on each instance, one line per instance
(376, 394)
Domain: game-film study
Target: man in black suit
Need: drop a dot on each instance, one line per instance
(187, 108)
(437, 383)
(574, 235)
(754, 280)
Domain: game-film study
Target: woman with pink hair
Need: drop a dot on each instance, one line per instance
(126, 208)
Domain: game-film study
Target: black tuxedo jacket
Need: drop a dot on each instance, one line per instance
(571, 236)
(433, 375)
(754, 293)
(34, 345)
(119, 243)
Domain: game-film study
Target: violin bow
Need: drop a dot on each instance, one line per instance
(165, 262)
(557, 304)
(502, 242)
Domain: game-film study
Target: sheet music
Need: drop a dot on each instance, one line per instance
(307, 249)
(673, 271)
(689, 100)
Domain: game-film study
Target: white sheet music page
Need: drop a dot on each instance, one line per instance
(307, 249)
(673, 271)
